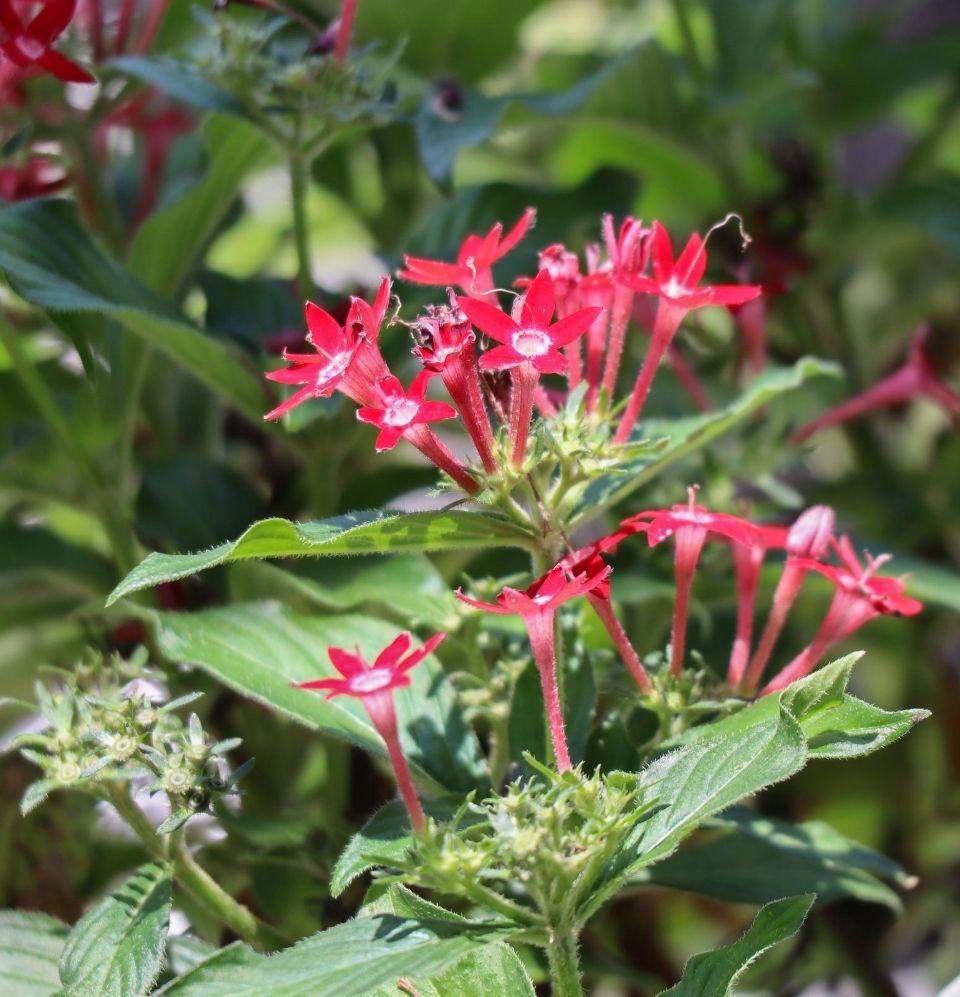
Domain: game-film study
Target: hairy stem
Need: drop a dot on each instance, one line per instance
(564, 962)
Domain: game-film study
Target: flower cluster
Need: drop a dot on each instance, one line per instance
(540, 336)
(106, 723)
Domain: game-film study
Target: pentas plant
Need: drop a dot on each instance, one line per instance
(539, 380)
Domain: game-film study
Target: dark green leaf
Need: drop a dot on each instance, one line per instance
(757, 859)
(51, 261)
(372, 532)
(116, 949)
(180, 81)
(716, 972)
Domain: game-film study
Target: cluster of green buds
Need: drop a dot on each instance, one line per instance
(102, 728)
(535, 853)
(284, 65)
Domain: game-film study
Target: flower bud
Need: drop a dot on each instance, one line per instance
(810, 534)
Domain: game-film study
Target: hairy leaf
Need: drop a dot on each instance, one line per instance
(716, 972)
(116, 949)
(372, 532)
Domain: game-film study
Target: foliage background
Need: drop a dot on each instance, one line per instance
(833, 129)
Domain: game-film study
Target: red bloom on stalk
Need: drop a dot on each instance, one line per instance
(916, 377)
(535, 338)
(320, 372)
(37, 177)
(373, 684)
(447, 348)
(30, 45)
(689, 525)
(860, 595)
(676, 284)
(677, 281)
(537, 606)
(473, 271)
(347, 357)
(528, 347)
(401, 410)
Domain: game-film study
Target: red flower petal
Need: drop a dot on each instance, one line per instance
(490, 320)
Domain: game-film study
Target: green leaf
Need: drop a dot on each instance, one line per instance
(757, 859)
(30, 947)
(355, 958)
(117, 947)
(835, 724)
(180, 81)
(261, 648)
(371, 532)
(692, 433)
(51, 262)
(170, 241)
(408, 585)
(492, 969)
(716, 972)
(694, 783)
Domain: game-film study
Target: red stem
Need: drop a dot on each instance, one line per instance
(525, 378)
(345, 30)
(462, 381)
(620, 311)
(665, 325)
(381, 710)
(747, 562)
(540, 629)
(621, 641)
(430, 446)
(689, 542)
(596, 341)
(783, 599)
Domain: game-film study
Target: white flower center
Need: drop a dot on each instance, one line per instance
(674, 289)
(371, 681)
(401, 412)
(30, 48)
(337, 364)
(531, 342)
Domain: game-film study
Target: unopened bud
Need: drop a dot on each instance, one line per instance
(810, 534)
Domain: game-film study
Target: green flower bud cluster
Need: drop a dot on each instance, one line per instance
(535, 852)
(101, 728)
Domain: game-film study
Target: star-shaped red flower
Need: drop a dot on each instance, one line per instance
(401, 410)
(472, 272)
(533, 339)
(30, 45)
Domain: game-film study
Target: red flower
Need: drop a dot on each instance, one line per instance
(916, 377)
(689, 525)
(447, 348)
(537, 606)
(37, 177)
(676, 284)
(373, 685)
(321, 372)
(809, 538)
(472, 272)
(30, 45)
(861, 594)
(529, 348)
(347, 357)
(402, 410)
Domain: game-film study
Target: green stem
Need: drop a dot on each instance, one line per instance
(564, 964)
(299, 187)
(196, 880)
(689, 42)
(499, 752)
(120, 535)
